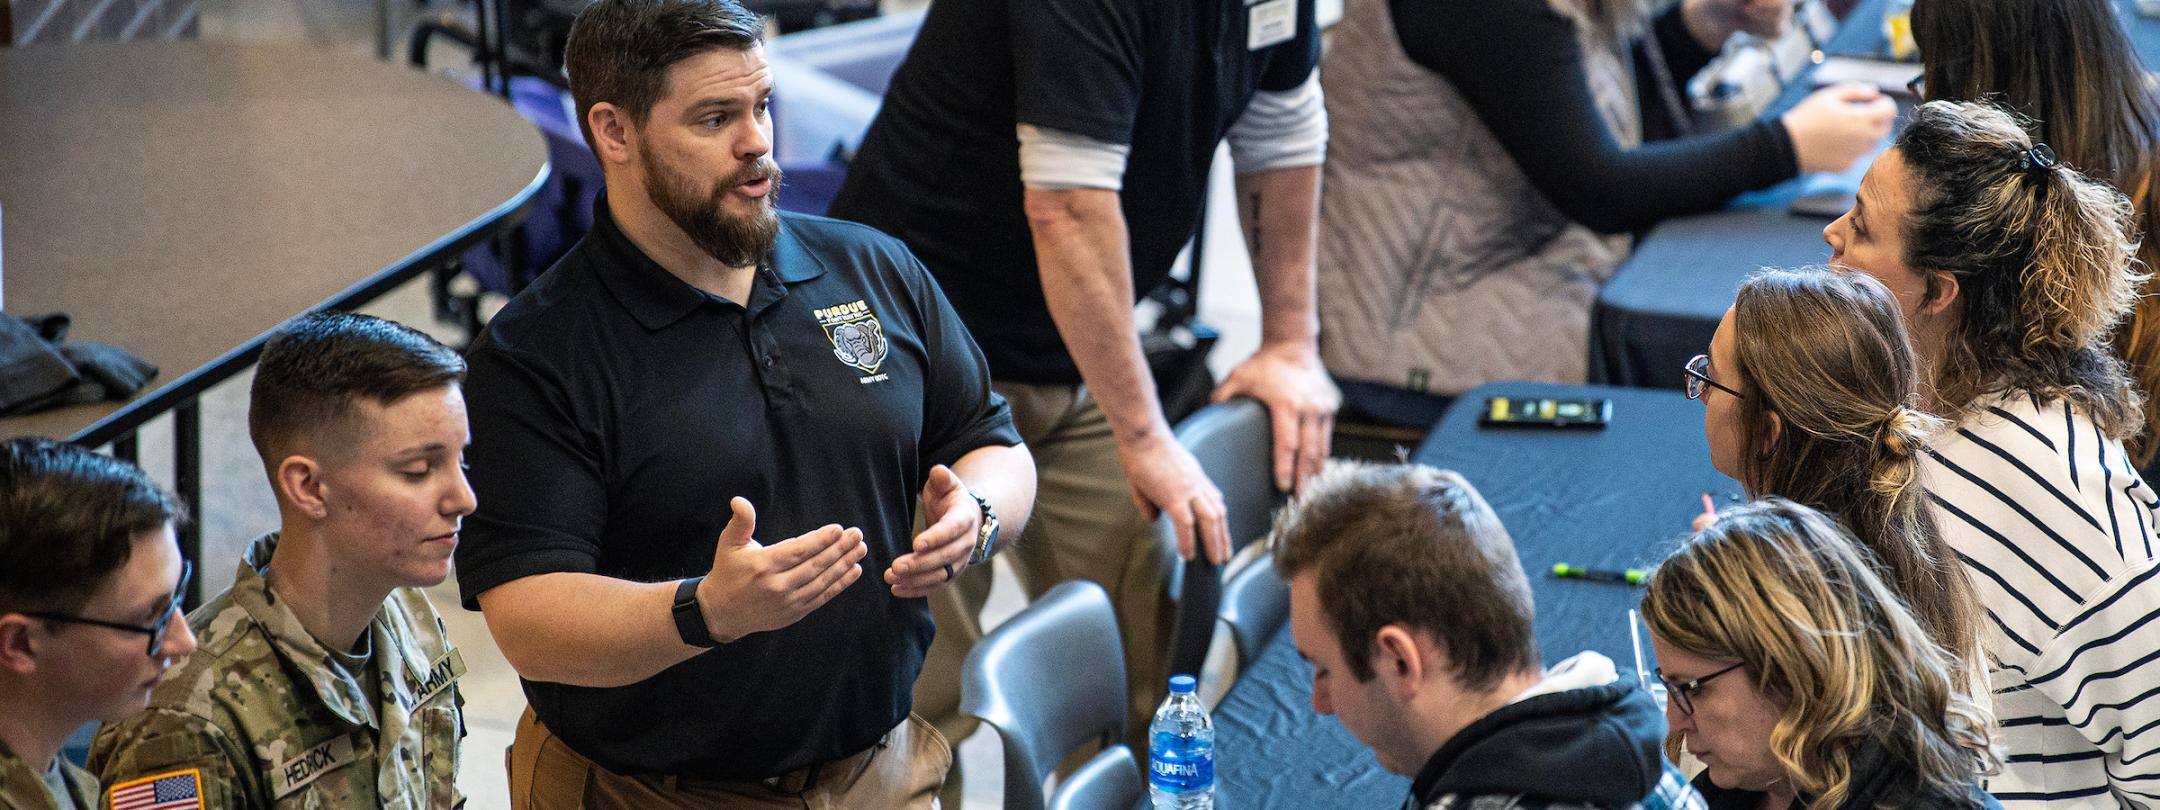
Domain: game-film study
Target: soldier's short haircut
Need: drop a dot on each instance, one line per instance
(620, 50)
(316, 368)
(68, 521)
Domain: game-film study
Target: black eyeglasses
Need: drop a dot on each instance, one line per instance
(156, 632)
(1698, 375)
(1918, 87)
(1679, 692)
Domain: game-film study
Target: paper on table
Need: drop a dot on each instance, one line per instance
(1885, 75)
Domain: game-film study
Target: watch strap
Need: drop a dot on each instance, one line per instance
(986, 534)
(689, 620)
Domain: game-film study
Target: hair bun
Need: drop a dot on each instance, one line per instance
(1904, 431)
(1901, 434)
(1892, 434)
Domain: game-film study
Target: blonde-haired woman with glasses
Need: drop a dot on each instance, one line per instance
(1800, 679)
(1808, 393)
(2012, 270)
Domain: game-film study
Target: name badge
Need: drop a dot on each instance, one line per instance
(1272, 22)
(302, 770)
(445, 672)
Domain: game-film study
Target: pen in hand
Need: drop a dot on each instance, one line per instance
(1709, 513)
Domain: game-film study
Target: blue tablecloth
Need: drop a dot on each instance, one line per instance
(1612, 498)
(1662, 305)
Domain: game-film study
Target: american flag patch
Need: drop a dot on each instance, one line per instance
(179, 790)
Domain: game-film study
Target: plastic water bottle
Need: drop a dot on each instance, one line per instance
(1181, 751)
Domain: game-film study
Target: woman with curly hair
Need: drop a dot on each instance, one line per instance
(2012, 271)
(2069, 67)
(1809, 393)
(1800, 679)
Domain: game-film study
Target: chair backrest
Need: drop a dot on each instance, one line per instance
(1254, 603)
(1110, 781)
(1233, 441)
(1050, 679)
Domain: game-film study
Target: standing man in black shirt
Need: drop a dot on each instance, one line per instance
(1047, 159)
(698, 353)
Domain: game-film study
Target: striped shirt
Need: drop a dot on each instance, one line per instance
(2056, 528)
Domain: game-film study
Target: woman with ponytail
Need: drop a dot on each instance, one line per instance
(1807, 394)
(2069, 67)
(2012, 271)
(1797, 676)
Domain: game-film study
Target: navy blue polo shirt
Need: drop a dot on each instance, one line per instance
(616, 409)
(940, 167)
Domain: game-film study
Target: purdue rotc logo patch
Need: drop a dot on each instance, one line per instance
(857, 338)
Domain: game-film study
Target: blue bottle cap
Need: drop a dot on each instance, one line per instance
(1180, 684)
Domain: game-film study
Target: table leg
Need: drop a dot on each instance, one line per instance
(382, 29)
(495, 66)
(187, 479)
(124, 449)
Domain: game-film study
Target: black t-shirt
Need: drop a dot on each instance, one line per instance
(940, 167)
(616, 409)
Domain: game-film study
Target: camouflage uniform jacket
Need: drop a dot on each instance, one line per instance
(273, 721)
(23, 788)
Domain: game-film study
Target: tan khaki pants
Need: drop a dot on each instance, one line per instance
(1084, 527)
(904, 771)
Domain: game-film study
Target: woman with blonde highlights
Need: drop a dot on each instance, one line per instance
(1807, 393)
(1799, 678)
(2012, 270)
(2067, 65)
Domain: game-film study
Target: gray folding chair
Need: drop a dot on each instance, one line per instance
(1254, 603)
(1110, 781)
(1233, 441)
(1050, 680)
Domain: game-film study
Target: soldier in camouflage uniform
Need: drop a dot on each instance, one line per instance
(273, 718)
(23, 788)
(90, 586)
(325, 678)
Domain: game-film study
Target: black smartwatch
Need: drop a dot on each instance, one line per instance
(689, 621)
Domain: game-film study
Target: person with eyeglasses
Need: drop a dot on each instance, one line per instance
(91, 580)
(325, 678)
(1409, 604)
(1799, 678)
(1808, 394)
(2012, 271)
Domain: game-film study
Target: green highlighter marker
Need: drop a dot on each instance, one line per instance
(1632, 576)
